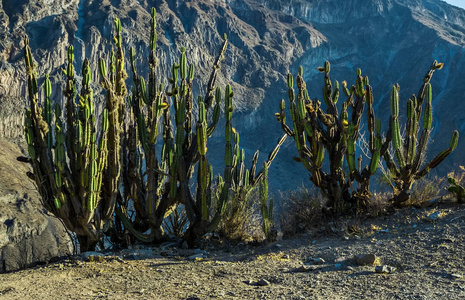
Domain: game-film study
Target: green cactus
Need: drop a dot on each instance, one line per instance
(318, 134)
(456, 188)
(410, 153)
(69, 161)
(164, 184)
(240, 180)
(266, 205)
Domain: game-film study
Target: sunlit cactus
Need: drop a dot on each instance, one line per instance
(266, 205)
(67, 157)
(323, 139)
(410, 152)
(165, 183)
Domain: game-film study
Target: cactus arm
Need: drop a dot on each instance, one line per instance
(146, 238)
(38, 128)
(265, 204)
(115, 93)
(424, 137)
(440, 157)
(411, 140)
(216, 112)
(209, 96)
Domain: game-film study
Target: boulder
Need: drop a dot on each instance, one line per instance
(28, 234)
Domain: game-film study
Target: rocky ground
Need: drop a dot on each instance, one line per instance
(411, 254)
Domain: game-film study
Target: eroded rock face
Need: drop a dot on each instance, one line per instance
(28, 234)
(392, 41)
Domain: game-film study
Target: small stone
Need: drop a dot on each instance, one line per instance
(285, 256)
(457, 276)
(437, 215)
(315, 261)
(365, 259)
(428, 203)
(263, 282)
(200, 251)
(306, 268)
(385, 269)
(249, 282)
(197, 257)
(167, 245)
(91, 253)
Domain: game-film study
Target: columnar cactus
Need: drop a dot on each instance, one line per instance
(410, 153)
(115, 87)
(152, 186)
(316, 133)
(241, 181)
(266, 206)
(363, 93)
(69, 161)
(164, 184)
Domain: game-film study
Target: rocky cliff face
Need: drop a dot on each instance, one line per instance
(391, 40)
(28, 234)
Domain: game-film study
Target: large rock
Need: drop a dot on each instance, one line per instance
(28, 234)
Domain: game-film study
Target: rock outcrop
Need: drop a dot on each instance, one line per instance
(392, 41)
(28, 234)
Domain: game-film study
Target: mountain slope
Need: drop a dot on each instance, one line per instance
(390, 40)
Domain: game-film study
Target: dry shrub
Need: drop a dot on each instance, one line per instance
(426, 189)
(300, 210)
(177, 222)
(379, 202)
(240, 219)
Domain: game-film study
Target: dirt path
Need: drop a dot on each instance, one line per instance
(426, 252)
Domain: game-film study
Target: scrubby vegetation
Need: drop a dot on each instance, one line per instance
(130, 176)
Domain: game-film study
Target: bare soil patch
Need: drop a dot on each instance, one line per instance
(425, 247)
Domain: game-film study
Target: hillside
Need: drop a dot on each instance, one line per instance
(390, 40)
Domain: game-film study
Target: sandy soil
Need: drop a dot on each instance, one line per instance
(426, 248)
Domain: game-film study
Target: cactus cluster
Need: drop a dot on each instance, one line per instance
(78, 160)
(317, 132)
(74, 160)
(333, 133)
(242, 180)
(157, 116)
(456, 187)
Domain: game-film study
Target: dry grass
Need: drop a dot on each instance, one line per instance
(176, 223)
(426, 189)
(241, 220)
(300, 210)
